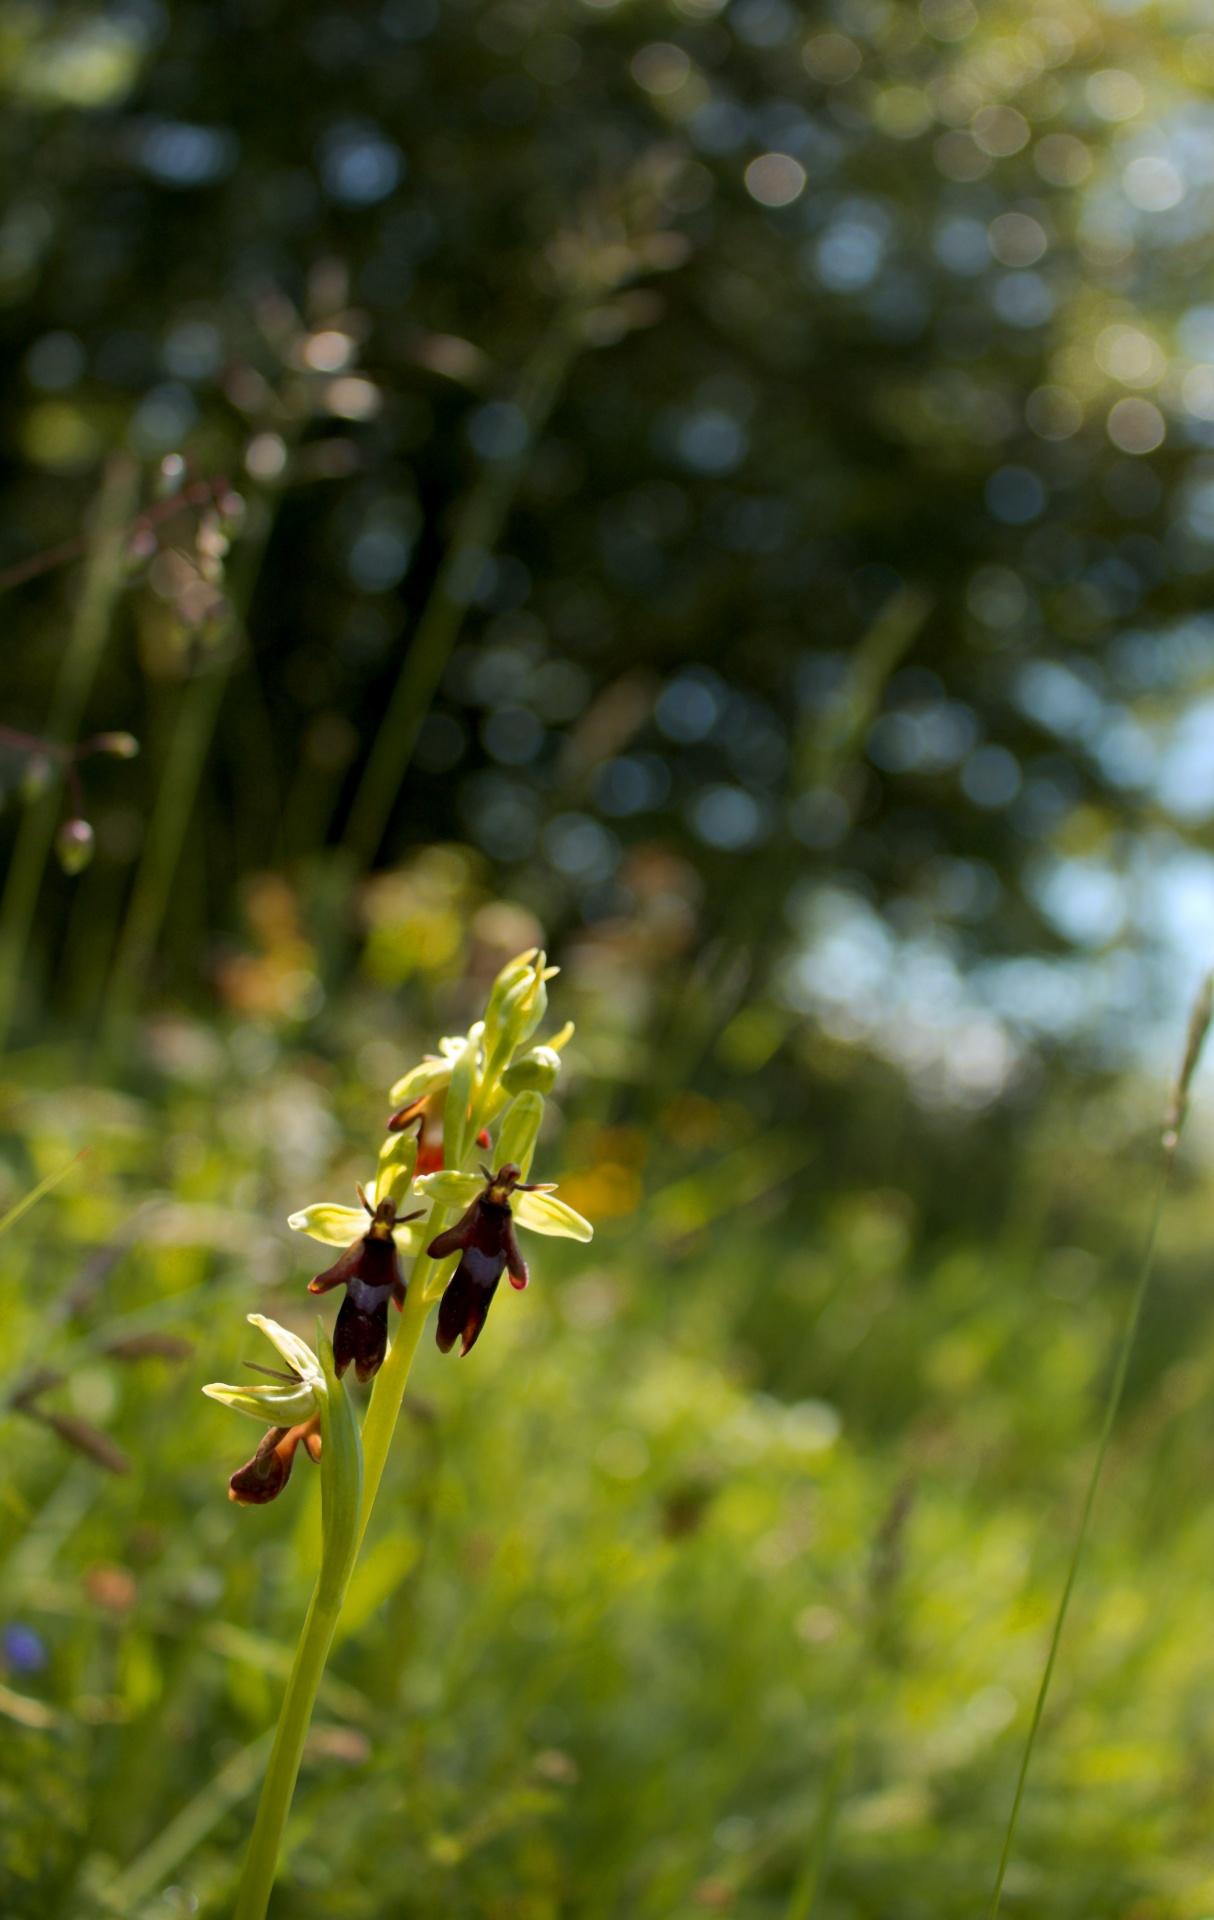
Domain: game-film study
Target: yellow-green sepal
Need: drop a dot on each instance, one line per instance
(333, 1226)
(544, 1213)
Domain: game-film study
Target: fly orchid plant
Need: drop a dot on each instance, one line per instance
(461, 1139)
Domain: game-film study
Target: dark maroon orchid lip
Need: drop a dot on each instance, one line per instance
(370, 1271)
(485, 1240)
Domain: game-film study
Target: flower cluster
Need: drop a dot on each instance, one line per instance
(483, 1092)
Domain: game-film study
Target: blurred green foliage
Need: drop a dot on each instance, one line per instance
(775, 1465)
(726, 489)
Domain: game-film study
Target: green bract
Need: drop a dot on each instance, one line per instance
(397, 1159)
(520, 1130)
(465, 1073)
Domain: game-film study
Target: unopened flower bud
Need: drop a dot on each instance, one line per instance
(123, 746)
(511, 974)
(522, 1009)
(74, 844)
(520, 1130)
(534, 1072)
(397, 1161)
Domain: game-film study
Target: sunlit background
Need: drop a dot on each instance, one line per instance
(725, 489)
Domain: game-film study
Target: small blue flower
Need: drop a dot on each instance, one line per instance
(24, 1650)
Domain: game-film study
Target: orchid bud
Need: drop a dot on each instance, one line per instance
(397, 1161)
(520, 1130)
(74, 845)
(465, 1070)
(511, 974)
(536, 1072)
(522, 1009)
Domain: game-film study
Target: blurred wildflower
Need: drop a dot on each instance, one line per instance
(279, 982)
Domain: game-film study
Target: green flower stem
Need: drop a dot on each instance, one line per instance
(392, 1378)
(294, 1720)
(341, 1495)
(102, 584)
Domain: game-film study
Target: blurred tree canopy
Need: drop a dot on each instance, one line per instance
(739, 458)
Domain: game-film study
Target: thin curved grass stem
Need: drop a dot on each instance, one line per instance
(1112, 1408)
(809, 1880)
(478, 526)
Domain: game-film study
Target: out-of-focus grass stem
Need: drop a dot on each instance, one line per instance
(199, 1817)
(805, 1888)
(478, 526)
(885, 1567)
(1174, 1118)
(189, 745)
(90, 627)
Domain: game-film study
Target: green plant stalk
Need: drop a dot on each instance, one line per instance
(477, 528)
(90, 627)
(379, 1424)
(341, 1496)
(1112, 1408)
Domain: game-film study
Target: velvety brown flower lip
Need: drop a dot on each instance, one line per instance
(370, 1271)
(263, 1478)
(485, 1240)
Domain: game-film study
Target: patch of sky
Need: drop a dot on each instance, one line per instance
(1184, 785)
(1060, 699)
(905, 999)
